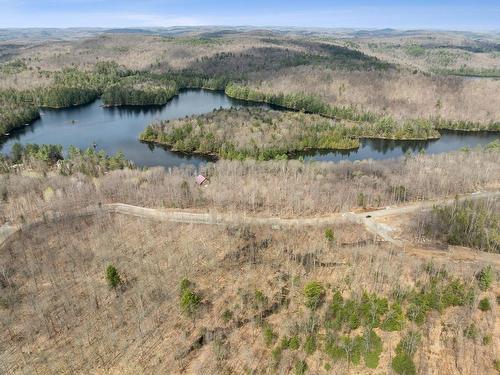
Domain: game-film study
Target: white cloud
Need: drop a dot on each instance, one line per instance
(97, 19)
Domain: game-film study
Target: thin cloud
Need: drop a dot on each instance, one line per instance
(315, 13)
(157, 20)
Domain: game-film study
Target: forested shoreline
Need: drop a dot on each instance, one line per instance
(117, 86)
(250, 133)
(45, 157)
(314, 104)
(124, 95)
(270, 134)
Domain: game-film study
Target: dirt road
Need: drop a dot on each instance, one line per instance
(366, 218)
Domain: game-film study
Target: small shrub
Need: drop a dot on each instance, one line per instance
(371, 308)
(487, 340)
(328, 366)
(372, 348)
(300, 367)
(417, 313)
(185, 284)
(400, 294)
(260, 299)
(315, 294)
(227, 315)
(485, 278)
(372, 359)
(112, 276)
(276, 355)
(329, 235)
(409, 343)
(496, 364)
(351, 314)
(294, 343)
(189, 301)
(310, 344)
(269, 335)
(439, 294)
(285, 343)
(395, 319)
(485, 305)
(403, 364)
(352, 347)
(335, 352)
(454, 293)
(471, 332)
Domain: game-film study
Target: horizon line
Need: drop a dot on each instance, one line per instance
(357, 28)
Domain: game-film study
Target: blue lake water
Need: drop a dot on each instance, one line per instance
(118, 128)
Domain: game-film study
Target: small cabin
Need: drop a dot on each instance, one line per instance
(200, 179)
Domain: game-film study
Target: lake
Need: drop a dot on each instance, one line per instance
(118, 128)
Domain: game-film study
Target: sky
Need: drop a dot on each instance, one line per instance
(452, 15)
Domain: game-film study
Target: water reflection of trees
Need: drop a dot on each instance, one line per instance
(323, 152)
(385, 146)
(16, 135)
(183, 155)
(190, 101)
(136, 110)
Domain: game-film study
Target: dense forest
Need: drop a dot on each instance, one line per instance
(222, 71)
(275, 54)
(43, 157)
(120, 94)
(70, 87)
(314, 104)
(467, 125)
(115, 85)
(16, 109)
(388, 128)
(270, 134)
(62, 97)
(250, 133)
(468, 223)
